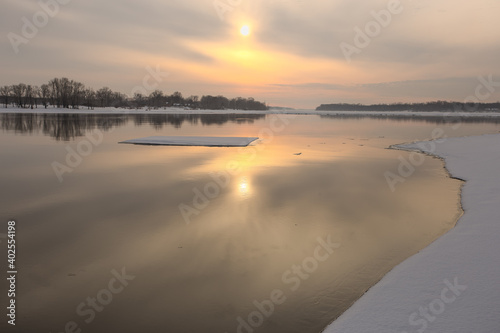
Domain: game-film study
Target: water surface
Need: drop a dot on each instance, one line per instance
(213, 235)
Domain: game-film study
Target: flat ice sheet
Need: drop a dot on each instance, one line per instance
(205, 141)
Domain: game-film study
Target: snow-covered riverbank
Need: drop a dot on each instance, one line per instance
(452, 285)
(296, 112)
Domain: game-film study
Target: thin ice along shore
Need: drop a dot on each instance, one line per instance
(452, 285)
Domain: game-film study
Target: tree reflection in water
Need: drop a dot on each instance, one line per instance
(65, 127)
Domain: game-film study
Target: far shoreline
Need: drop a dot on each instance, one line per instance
(181, 111)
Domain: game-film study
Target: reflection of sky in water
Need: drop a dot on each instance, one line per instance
(120, 208)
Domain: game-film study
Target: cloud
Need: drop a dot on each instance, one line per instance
(110, 43)
(454, 89)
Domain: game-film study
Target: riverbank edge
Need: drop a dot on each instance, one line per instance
(411, 297)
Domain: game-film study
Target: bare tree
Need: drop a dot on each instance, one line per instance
(45, 94)
(55, 90)
(66, 88)
(28, 95)
(89, 98)
(157, 99)
(5, 91)
(119, 100)
(62, 90)
(139, 100)
(104, 96)
(192, 101)
(176, 98)
(18, 92)
(77, 93)
(36, 95)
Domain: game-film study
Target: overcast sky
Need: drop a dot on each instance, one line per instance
(424, 50)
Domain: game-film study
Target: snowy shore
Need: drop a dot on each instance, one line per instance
(84, 110)
(452, 285)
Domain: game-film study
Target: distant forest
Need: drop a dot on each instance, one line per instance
(65, 93)
(429, 106)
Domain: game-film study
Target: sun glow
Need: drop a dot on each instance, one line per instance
(245, 30)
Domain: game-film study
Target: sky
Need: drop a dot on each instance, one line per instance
(298, 54)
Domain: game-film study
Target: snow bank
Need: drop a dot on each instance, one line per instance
(206, 141)
(452, 285)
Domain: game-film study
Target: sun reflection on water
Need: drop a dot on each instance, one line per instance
(244, 187)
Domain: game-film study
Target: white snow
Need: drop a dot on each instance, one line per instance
(206, 141)
(84, 110)
(453, 285)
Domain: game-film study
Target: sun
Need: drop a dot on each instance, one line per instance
(245, 30)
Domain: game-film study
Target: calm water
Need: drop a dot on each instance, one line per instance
(212, 239)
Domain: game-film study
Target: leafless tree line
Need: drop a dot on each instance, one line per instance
(66, 93)
(61, 93)
(428, 106)
(158, 99)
